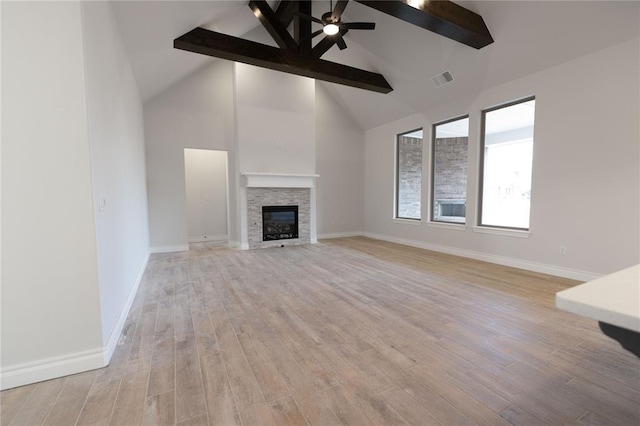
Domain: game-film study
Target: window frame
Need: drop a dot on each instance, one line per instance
(432, 161)
(396, 209)
(483, 115)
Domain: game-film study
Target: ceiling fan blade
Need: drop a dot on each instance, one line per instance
(308, 17)
(337, 11)
(361, 25)
(340, 41)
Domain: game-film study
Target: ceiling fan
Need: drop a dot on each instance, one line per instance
(333, 26)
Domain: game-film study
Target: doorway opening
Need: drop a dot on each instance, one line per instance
(206, 184)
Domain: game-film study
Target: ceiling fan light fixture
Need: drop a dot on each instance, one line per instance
(417, 4)
(331, 29)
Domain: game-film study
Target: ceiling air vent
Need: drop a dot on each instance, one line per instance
(442, 79)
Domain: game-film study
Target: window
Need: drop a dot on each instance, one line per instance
(409, 175)
(506, 164)
(449, 170)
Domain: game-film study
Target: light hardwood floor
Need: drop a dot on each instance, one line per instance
(351, 331)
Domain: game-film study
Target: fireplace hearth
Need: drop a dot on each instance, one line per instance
(279, 222)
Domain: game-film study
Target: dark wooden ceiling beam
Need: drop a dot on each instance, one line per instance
(285, 12)
(211, 43)
(440, 16)
(302, 27)
(268, 19)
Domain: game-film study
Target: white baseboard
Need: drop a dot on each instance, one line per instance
(114, 337)
(238, 245)
(206, 238)
(169, 249)
(51, 368)
(340, 235)
(558, 271)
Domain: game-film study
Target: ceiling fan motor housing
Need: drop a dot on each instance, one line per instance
(328, 18)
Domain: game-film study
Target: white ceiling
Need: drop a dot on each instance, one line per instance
(529, 36)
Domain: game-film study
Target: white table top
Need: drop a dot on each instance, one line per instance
(614, 299)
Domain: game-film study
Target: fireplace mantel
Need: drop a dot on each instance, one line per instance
(278, 180)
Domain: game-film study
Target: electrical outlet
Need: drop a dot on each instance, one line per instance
(563, 250)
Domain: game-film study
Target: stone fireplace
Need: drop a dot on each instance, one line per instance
(271, 189)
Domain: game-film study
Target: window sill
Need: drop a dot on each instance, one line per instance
(408, 221)
(446, 225)
(504, 232)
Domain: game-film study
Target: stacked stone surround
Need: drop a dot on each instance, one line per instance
(258, 197)
(409, 177)
(450, 177)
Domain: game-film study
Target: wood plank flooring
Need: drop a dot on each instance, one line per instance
(350, 331)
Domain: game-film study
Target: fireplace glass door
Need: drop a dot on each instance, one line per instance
(279, 222)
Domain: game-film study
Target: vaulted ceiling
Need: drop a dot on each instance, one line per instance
(529, 36)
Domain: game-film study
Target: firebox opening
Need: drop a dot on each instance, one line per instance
(279, 222)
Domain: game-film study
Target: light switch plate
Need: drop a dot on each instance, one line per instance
(102, 203)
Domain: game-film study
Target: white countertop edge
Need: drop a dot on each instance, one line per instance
(598, 314)
(613, 299)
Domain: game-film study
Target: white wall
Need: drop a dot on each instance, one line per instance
(284, 125)
(585, 190)
(275, 119)
(340, 164)
(206, 185)
(274, 127)
(195, 113)
(116, 139)
(51, 322)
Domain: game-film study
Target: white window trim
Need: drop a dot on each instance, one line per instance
(488, 229)
(395, 217)
(407, 221)
(448, 225)
(517, 233)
